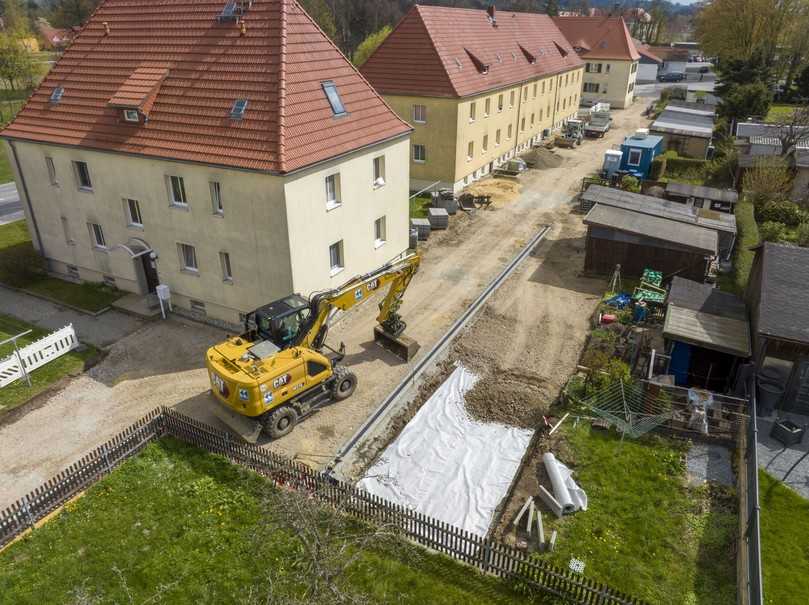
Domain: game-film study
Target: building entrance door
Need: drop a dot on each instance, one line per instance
(150, 273)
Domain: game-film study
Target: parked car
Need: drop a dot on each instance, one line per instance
(673, 76)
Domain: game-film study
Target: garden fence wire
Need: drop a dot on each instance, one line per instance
(487, 555)
(751, 528)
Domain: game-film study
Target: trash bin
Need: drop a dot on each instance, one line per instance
(769, 398)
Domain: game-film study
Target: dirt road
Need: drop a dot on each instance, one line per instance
(162, 363)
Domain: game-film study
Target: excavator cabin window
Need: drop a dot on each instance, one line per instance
(282, 321)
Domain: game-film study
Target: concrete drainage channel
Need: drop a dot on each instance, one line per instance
(359, 448)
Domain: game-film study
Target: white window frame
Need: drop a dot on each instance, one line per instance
(485, 146)
(217, 206)
(66, 231)
(509, 132)
(419, 158)
(380, 232)
(629, 161)
(487, 107)
(131, 115)
(497, 137)
(185, 266)
(379, 171)
(227, 267)
(173, 201)
(500, 103)
(470, 151)
(332, 191)
(473, 110)
(336, 258)
(51, 170)
(77, 164)
(420, 114)
(130, 218)
(97, 236)
(511, 100)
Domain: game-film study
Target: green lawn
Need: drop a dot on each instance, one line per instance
(747, 237)
(645, 533)
(193, 528)
(778, 113)
(19, 264)
(784, 548)
(419, 206)
(16, 394)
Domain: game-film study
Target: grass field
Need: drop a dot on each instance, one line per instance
(16, 252)
(747, 237)
(779, 113)
(16, 394)
(419, 206)
(187, 526)
(784, 550)
(645, 532)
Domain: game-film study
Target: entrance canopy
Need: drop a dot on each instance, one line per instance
(135, 247)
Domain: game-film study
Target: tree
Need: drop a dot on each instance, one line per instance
(15, 17)
(370, 44)
(322, 15)
(70, 13)
(742, 101)
(16, 64)
(792, 129)
(768, 180)
(552, 8)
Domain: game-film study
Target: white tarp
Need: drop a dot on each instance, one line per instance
(446, 465)
(569, 495)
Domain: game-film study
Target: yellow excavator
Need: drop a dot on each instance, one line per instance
(280, 370)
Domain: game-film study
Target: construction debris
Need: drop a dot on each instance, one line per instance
(438, 217)
(551, 502)
(569, 495)
(558, 424)
(528, 502)
(552, 541)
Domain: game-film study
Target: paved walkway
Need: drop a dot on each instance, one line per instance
(101, 331)
(774, 458)
(10, 204)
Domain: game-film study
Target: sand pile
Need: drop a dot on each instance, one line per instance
(501, 190)
(542, 158)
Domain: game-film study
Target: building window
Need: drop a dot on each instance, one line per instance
(487, 108)
(607, 68)
(485, 143)
(511, 99)
(66, 232)
(188, 258)
(634, 67)
(593, 68)
(73, 272)
(419, 153)
(472, 111)
(420, 114)
(133, 215)
(543, 87)
(97, 236)
(500, 103)
(497, 137)
(470, 151)
(564, 103)
(197, 306)
(83, 176)
(536, 88)
(51, 170)
(177, 191)
(227, 271)
(634, 157)
(522, 124)
(532, 119)
(508, 135)
(540, 115)
(216, 198)
(525, 93)
(336, 103)
(379, 171)
(332, 191)
(380, 232)
(631, 86)
(591, 87)
(131, 115)
(336, 262)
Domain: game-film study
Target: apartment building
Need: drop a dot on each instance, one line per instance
(477, 87)
(225, 149)
(610, 56)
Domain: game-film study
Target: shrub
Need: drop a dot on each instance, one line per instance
(658, 169)
(769, 179)
(772, 231)
(630, 183)
(802, 235)
(20, 265)
(786, 212)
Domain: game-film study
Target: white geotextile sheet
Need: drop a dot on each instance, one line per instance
(446, 465)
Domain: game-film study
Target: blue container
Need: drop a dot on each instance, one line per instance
(640, 313)
(638, 152)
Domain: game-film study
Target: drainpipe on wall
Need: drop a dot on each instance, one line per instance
(555, 101)
(27, 199)
(517, 125)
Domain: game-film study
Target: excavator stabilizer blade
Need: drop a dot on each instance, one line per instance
(245, 427)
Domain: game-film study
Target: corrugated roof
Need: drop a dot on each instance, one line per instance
(723, 334)
(599, 37)
(690, 236)
(278, 64)
(439, 51)
(699, 191)
(784, 307)
(686, 121)
(648, 204)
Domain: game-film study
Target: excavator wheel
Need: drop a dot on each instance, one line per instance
(280, 422)
(344, 384)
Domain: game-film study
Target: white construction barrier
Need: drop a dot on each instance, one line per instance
(569, 495)
(37, 354)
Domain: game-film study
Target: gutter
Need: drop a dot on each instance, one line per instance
(27, 198)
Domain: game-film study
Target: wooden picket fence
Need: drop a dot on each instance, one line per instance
(489, 556)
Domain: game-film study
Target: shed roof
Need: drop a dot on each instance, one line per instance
(699, 239)
(647, 204)
(705, 298)
(437, 51)
(278, 63)
(723, 334)
(677, 119)
(599, 37)
(648, 142)
(783, 310)
(700, 191)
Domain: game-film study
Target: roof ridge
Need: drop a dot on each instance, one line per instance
(282, 87)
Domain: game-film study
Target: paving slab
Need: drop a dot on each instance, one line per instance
(774, 458)
(709, 462)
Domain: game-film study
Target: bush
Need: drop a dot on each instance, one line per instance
(658, 169)
(769, 179)
(772, 231)
(786, 212)
(20, 265)
(630, 183)
(802, 235)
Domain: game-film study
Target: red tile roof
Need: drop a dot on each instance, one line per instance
(643, 51)
(456, 52)
(599, 37)
(139, 91)
(670, 53)
(278, 65)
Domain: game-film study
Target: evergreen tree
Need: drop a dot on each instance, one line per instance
(552, 8)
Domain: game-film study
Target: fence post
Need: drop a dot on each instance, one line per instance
(27, 510)
(105, 452)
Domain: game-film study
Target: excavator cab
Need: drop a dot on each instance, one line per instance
(280, 322)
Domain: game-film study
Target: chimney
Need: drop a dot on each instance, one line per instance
(243, 28)
(106, 28)
(491, 11)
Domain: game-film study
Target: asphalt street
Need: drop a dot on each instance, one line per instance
(10, 204)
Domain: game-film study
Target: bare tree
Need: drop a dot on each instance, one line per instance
(768, 180)
(792, 129)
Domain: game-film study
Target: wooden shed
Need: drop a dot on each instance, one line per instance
(634, 240)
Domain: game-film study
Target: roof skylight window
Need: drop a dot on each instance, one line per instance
(237, 113)
(57, 94)
(337, 107)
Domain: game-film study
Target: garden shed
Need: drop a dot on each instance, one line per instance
(686, 130)
(723, 223)
(636, 241)
(778, 298)
(699, 196)
(707, 334)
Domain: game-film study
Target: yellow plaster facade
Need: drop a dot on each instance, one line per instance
(611, 81)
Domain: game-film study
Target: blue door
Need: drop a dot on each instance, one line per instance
(680, 362)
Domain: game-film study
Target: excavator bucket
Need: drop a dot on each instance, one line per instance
(245, 427)
(403, 347)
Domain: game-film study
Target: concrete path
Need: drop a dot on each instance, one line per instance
(709, 462)
(774, 458)
(10, 204)
(101, 331)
